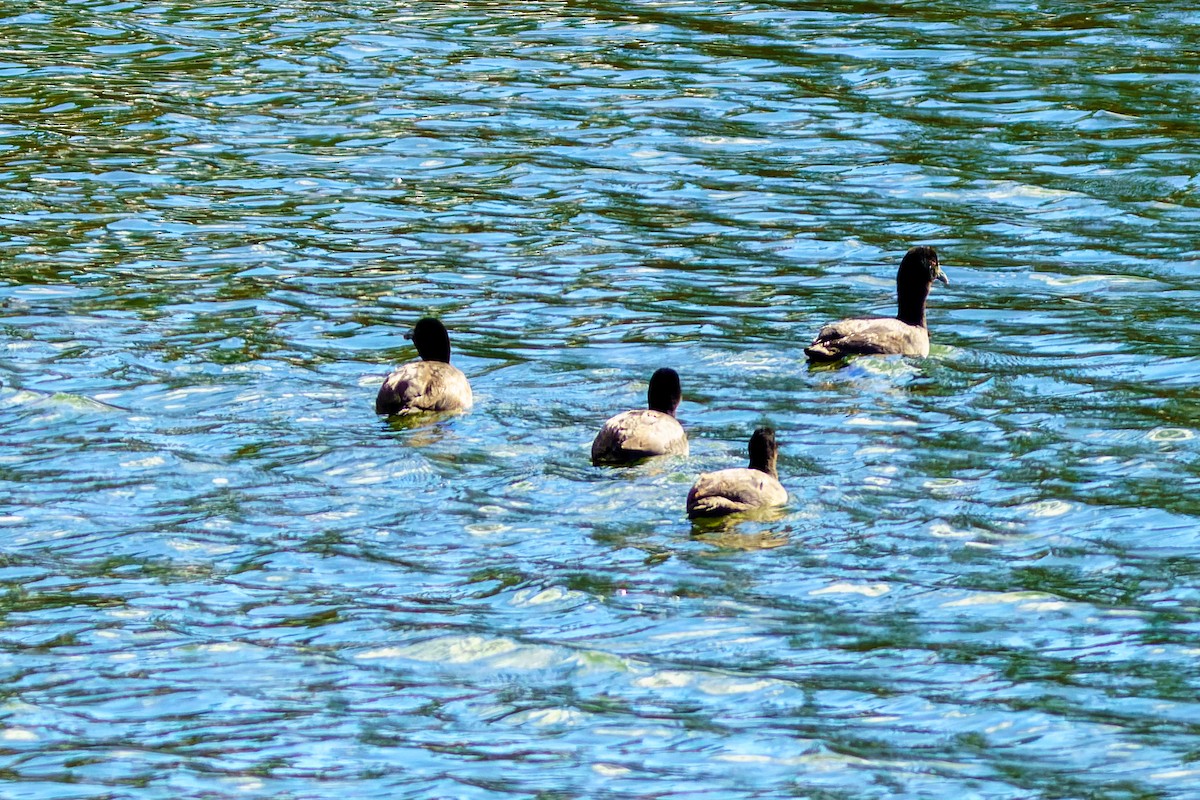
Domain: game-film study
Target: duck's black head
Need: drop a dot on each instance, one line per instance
(764, 451)
(665, 392)
(431, 340)
(918, 270)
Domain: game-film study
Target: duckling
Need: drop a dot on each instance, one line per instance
(905, 334)
(430, 384)
(729, 491)
(653, 431)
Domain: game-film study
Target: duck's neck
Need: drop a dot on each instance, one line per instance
(766, 465)
(434, 351)
(912, 304)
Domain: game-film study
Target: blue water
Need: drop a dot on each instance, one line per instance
(224, 576)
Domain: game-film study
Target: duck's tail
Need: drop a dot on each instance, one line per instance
(820, 351)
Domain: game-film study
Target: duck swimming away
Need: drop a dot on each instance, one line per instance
(731, 491)
(430, 384)
(905, 334)
(654, 431)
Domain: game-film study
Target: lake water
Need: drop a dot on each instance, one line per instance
(224, 576)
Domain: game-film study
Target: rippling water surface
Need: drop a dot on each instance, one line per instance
(224, 576)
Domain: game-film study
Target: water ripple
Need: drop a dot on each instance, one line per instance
(223, 574)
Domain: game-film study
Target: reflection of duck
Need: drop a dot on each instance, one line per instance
(905, 334)
(430, 384)
(730, 491)
(641, 433)
(726, 533)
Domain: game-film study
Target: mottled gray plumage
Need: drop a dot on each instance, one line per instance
(431, 384)
(424, 386)
(905, 334)
(731, 491)
(867, 336)
(653, 431)
(633, 435)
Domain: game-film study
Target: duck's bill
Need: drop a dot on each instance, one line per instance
(941, 276)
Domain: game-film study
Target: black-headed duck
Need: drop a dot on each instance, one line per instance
(652, 431)
(904, 334)
(430, 384)
(731, 491)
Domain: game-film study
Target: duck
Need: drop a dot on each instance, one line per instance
(430, 384)
(731, 491)
(642, 433)
(905, 334)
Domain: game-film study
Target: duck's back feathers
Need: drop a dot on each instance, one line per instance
(730, 491)
(424, 386)
(869, 335)
(633, 435)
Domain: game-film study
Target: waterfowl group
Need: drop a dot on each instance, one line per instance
(432, 384)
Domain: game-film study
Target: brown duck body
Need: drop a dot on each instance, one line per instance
(731, 491)
(633, 435)
(869, 335)
(424, 386)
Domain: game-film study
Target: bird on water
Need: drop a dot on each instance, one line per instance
(430, 384)
(731, 491)
(641, 433)
(905, 334)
